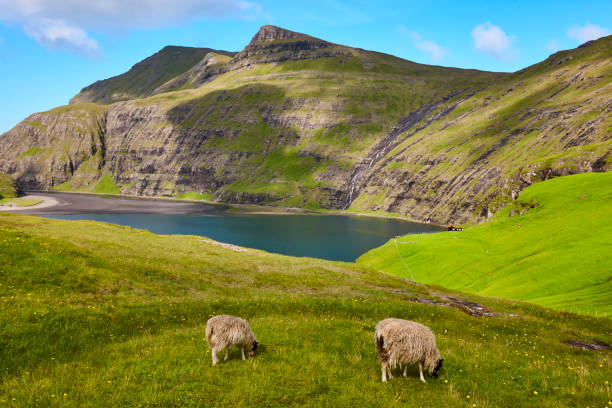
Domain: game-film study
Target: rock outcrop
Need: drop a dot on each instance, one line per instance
(274, 44)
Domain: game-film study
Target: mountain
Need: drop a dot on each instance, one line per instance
(473, 157)
(297, 121)
(146, 76)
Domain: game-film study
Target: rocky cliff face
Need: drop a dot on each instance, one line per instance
(294, 120)
(48, 149)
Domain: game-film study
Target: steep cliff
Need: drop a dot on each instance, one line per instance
(295, 120)
(50, 148)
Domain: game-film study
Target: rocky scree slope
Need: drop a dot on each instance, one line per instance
(298, 121)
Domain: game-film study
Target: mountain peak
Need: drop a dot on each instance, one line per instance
(274, 44)
(273, 33)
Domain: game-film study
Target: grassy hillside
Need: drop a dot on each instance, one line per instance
(144, 77)
(81, 328)
(8, 186)
(555, 254)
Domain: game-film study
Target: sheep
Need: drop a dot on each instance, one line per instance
(403, 342)
(224, 331)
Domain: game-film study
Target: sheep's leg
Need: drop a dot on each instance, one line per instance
(421, 372)
(215, 359)
(389, 370)
(242, 351)
(226, 353)
(405, 370)
(384, 371)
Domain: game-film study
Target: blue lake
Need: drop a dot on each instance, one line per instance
(334, 237)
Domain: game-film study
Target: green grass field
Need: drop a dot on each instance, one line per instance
(556, 254)
(20, 202)
(8, 187)
(95, 314)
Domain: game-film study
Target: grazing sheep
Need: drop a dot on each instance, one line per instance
(402, 342)
(224, 331)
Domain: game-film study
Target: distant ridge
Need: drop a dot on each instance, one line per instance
(147, 75)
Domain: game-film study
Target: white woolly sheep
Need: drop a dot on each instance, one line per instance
(403, 342)
(224, 331)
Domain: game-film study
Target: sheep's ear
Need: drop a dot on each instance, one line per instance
(255, 344)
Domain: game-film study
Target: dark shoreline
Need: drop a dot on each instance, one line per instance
(79, 203)
(88, 203)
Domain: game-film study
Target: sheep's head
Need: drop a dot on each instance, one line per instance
(252, 352)
(438, 367)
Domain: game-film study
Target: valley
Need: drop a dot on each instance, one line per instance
(170, 192)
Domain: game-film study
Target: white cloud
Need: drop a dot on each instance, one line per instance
(55, 34)
(436, 52)
(492, 40)
(587, 32)
(65, 23)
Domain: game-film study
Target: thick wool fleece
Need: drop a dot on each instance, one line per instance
(224, 331)
(405, 342)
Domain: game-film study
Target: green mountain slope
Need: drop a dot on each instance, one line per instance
(146, 76)
(81, 328)
(548, 120)
(555, 254)
(294, 120)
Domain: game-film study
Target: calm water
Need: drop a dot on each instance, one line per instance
(334, 237)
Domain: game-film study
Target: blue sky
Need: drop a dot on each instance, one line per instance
(50, 49)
